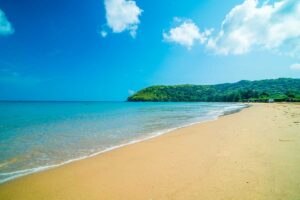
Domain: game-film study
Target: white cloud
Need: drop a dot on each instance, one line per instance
(256, 25)
(131, 92)
(5, 26)
(295, 66)
(122, 15)
(103, 34)
(186, 34)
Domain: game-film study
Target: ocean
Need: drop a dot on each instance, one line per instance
(35, 136)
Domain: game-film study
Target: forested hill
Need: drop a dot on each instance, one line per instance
(282, 89)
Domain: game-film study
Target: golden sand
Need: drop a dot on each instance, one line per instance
(253, 154)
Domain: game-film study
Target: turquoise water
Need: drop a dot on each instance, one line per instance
(38, 135)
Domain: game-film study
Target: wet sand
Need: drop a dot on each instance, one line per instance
(253, 154)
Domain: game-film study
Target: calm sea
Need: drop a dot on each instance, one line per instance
(38, 135)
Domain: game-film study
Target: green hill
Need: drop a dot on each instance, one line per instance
(282, 89)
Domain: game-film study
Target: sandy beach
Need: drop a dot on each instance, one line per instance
(253, 154)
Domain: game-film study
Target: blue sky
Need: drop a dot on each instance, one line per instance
(107, 49)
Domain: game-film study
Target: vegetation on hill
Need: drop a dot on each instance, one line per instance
(282, 89)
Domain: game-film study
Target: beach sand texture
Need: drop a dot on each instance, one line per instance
(253, 154)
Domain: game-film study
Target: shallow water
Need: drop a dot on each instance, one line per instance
(39, 135)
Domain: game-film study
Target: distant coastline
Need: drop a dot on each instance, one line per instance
(271, 90)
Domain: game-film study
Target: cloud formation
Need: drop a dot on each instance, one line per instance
(103, 34)
(131, 92)
(295, 66)
(186, 34)
(122, 15)
(260, 25)
(5, 26)
(251, 26)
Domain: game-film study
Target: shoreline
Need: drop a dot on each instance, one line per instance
(26, 172)
(252, 154)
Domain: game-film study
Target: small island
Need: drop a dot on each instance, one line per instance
(271, 90)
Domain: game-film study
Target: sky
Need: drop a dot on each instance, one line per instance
(109, 49)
